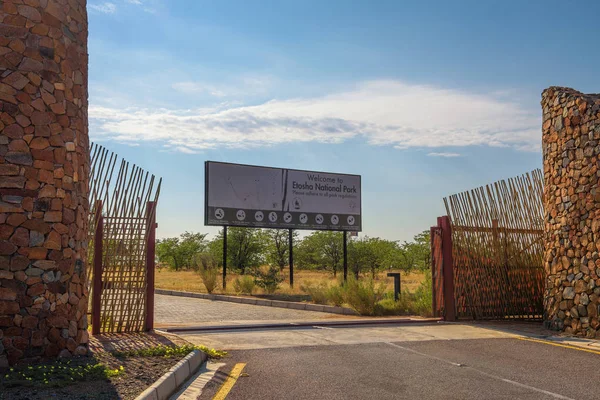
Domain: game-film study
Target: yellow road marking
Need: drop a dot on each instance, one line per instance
(230, 381)
(566, 346)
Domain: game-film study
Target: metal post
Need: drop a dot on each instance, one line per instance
(150, 264)
(434, 277)
(397, 288)
(345, 256)
(448, 268)
(97, 284)
(224, 257)
(291, 255)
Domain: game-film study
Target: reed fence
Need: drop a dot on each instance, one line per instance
(122, 222)
(497, 249)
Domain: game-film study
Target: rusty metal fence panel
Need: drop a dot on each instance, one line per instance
(125, 200)
(497, 249)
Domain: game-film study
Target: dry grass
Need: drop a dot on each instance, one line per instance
(190, 281)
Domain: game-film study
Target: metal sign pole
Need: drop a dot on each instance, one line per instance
(345, 256)
(224, 257)
(97, 277)
(291, 255)
(150, 264)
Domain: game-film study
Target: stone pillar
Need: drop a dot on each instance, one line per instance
(571, 147)
(44, 167)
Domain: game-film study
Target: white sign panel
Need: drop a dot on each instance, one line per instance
(244, 195)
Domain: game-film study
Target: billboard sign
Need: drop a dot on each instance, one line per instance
(265, 197)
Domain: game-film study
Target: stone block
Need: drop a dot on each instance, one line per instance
(297, 306)
(165, 386)
(181, 370)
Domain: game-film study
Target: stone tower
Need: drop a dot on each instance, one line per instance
(44, 167)
(571, 147)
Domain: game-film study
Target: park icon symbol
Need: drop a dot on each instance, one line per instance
(259, 216)
(287, 217)
(273, 216)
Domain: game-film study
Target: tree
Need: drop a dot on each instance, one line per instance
(416, 254)
(245, 247)
(359, 254)
(278, 245)
(215, 249)
(192, 245)
(374, 253)
(423, 242)
(181, 252)
(322, 249)
(167, 252)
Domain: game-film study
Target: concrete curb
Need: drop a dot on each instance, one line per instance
(260, 302)
(167, 384)
(303, 324)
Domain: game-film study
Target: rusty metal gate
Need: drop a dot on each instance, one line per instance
(122, 240)
(488, 258)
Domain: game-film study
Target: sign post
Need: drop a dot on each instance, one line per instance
(291, 256)
(397, 288)
(345, 256)
(224, 257)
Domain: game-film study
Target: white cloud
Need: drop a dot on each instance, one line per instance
(448, 155)
(196, 87)
(106, 8)
(248, 85)
(148, 6)
(389, 113)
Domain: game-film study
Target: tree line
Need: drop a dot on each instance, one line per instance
(249, 248)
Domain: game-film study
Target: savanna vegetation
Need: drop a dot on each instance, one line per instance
(257, 264)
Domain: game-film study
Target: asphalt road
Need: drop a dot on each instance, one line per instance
(498, 368)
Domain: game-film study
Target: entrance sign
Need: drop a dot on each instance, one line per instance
(265, 197)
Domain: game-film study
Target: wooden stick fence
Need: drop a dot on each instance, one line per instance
(497, 249)
(124, 206)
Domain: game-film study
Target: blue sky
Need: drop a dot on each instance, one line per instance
(421, 98)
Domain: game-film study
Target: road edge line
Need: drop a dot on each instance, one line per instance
(231, 380)
(557, 344)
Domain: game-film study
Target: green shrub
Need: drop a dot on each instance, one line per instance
(318, 293)
(424, 297)
(169, 351)
(363, 296)
(209, 278)
(206, 261)
(335, 295)
(389, 306)
(269, 280)
(57, 374)
(418, 303)
(244, 284)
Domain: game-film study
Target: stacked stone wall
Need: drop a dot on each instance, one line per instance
(571, 149)
(44, 167)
